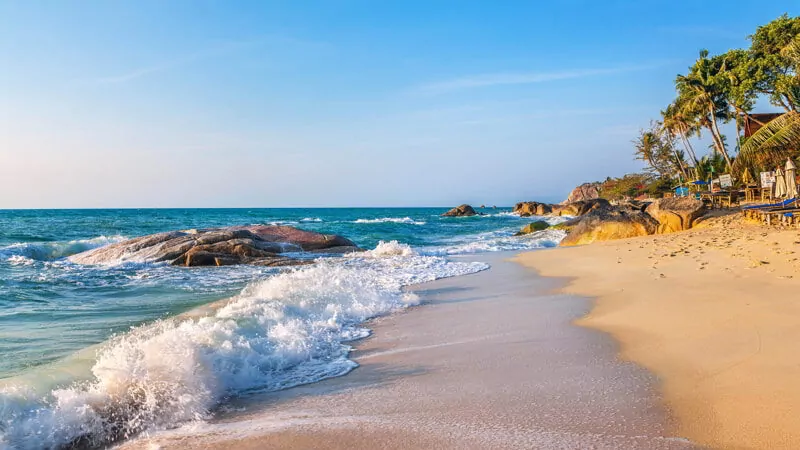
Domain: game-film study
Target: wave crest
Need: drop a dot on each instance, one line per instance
(407, 220)
(48, 251)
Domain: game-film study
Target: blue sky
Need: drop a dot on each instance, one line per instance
(337, 103)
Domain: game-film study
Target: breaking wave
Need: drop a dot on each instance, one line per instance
(499, 241)
(407, 220)
(289, 329)
(48, 251)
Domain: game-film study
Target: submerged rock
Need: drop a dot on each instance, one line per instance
(675, 213)
(257, 244)
(459, 211)
(605, 224)
(539, 225)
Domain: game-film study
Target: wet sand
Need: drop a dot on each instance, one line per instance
(490, 360)
(713, 312)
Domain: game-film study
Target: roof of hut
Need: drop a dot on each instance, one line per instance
(754, 122)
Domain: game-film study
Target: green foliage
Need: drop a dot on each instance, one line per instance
(634, 185)
(723, 88)
(702, 96)
(711, 166)
(656, 149)
(780, 138)
(776, 72)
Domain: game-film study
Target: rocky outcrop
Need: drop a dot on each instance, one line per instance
(527, 209)
(461, 211)
(258, 244)
(580, 208)
(675, 213)
(575, 209)
(539, 225)
(608, 223)
(586, 191)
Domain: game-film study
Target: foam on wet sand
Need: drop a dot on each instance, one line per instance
(490, 361)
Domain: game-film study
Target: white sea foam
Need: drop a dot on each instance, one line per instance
(46, 251)
(284, 222)
(391, 248)
(311, 219)
(504, 214)
(286, 330)
(497, 241)
(19, 260)
(407, 220)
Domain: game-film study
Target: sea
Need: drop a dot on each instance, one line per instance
(91, 355)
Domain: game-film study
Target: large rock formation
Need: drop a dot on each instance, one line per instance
(675, 213)
(527, 209)
(604, 224)
(580, 208)
(539, 225)
(459, 211)
(576, 209)
(258, 244)
(586, 191)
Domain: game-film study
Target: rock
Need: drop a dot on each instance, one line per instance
(604, 224)
(461, 211)
(256, 244)
(633, 205)
(586, 191)
(483, 206)
(675, 213)
(527, 209)
(580, 208)
(539, 225)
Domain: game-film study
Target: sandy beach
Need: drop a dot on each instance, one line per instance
(490, 360)
(712, 312)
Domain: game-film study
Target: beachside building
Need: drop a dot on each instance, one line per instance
(754, 122)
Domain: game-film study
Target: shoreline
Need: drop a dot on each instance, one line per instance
(488, 360)
(711, 312)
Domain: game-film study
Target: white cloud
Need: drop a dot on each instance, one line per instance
(512, 78)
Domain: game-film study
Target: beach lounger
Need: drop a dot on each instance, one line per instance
(782, 204)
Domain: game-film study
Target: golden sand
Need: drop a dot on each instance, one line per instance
(714, 312)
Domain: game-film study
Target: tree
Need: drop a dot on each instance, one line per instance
(703, 100)
(775, 72)
(735, 79)
(657, 149)
(713, 164)
(780, 138)
(678, 125)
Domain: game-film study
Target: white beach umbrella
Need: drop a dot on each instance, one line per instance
(780, 184)
(791, 183)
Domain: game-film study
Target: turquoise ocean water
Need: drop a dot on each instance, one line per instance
(94, 354)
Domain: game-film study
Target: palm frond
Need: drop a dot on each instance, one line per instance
(772, 143)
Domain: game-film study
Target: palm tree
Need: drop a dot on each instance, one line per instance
(702, 101)
(657, 148)
(678, 125)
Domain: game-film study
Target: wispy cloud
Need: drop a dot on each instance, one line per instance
(219, 50)
(515, 78)
(215, 51)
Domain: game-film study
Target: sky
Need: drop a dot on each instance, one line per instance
(337, 103)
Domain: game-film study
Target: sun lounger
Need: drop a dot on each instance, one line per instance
(782, 204)
(770, 216)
